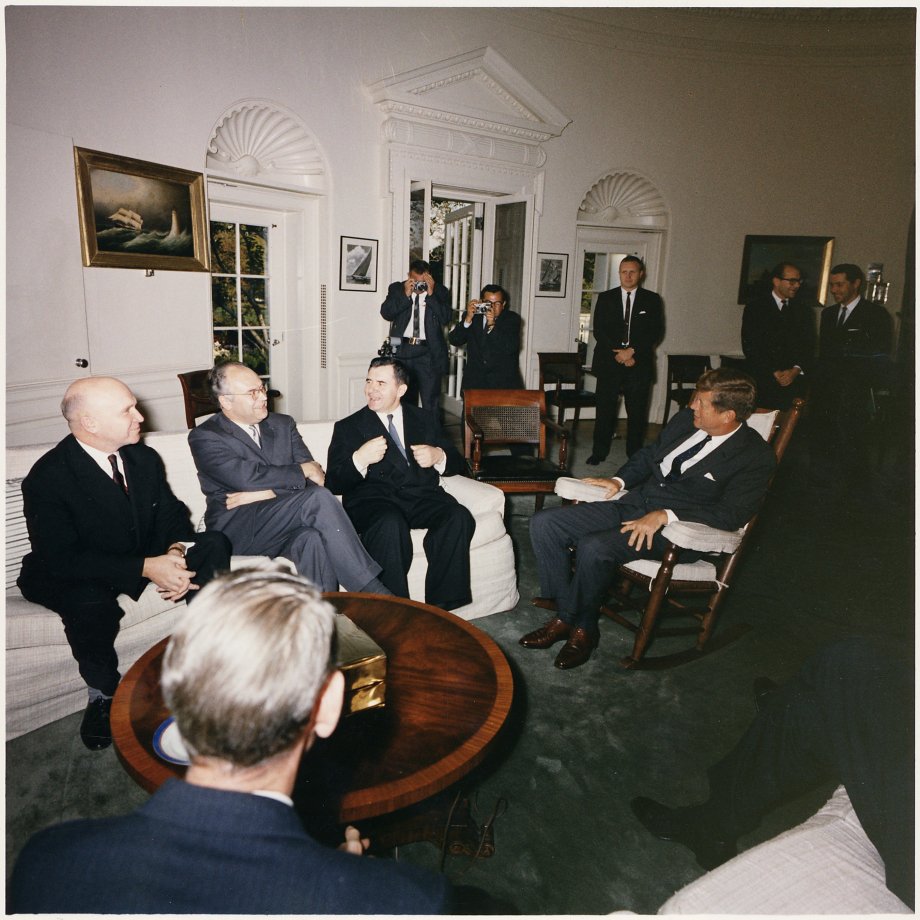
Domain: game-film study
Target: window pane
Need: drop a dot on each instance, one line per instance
(253, 249)
(588, 277)
(252, 298)
(223, 301)
(223, 248)
(226, 346)
(255, 350)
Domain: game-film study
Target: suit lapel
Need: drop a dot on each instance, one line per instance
(102, 490)
(234, 430)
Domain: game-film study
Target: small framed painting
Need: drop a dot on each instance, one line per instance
(358, 264)
(552, 269)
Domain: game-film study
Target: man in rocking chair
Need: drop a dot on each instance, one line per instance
(707, 466)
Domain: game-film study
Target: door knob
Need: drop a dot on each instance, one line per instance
(81, 362)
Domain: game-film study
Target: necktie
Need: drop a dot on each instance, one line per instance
(841, 318)
(626, 318)
(254, 434)
(394, 434)
(118, 479)
(685, 455)
(415, 324)
(785, 304)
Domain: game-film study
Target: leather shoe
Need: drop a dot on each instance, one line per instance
(549, 634)
(763, 688)
(577, 650)
(594, 460)
(680, 826)
(547, 603)
(95, 731)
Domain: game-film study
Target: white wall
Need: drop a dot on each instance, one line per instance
(806, 141)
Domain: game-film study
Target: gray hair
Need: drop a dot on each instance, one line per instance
(217, 376)
(246, 663)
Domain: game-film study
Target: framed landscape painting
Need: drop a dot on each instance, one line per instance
(812, 254)
(552, 268)
(135, 214)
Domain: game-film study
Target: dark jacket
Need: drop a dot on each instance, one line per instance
(397, 308)
(646, 329)
(491, 357)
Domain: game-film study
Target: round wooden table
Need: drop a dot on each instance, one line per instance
(449, 691)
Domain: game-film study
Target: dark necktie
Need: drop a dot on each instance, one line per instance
(685, 455)
(394, 434)
(118, 479)
(841, 317)
(626, 319)
(415, 323)
(785, 304)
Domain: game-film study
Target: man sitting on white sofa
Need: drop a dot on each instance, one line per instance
(847, 716)
(102, 522)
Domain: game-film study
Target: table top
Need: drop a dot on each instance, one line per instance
(449, 691)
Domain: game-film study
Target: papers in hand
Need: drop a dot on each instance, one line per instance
(577, 490)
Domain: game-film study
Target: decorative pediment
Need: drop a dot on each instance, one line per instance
(475, 104)
(623, 198)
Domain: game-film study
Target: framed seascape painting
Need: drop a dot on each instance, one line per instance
(357, 264)
(812, 254)
(552, 268)
(135, 214)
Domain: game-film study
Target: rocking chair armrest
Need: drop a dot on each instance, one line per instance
(702, 537)
(475, 430)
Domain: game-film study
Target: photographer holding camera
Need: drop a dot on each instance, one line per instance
(492, 335)
(418, 309)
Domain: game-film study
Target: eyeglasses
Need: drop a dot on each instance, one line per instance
(791, 280)
(254, 393)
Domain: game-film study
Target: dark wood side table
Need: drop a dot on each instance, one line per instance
(449, 691)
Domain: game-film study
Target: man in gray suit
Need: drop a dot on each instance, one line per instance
(265, 491)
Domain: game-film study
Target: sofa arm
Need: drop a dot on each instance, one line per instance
(478, 497)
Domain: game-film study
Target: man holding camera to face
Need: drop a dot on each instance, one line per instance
(492, 335)
(418, 309)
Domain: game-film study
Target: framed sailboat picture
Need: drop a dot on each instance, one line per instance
(358, 264)
(135, 214)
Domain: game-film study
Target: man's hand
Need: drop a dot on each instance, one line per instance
(470, 312)
(314, 472)
(169, 573)
(426, 455)
(642, 530)
(611, 485)
(785, 378)
(625, 356)
(354, 842)
(237, 499)
(370, 452)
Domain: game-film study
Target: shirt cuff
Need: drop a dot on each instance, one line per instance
(361, 469)
(441, 465)
(672, 517)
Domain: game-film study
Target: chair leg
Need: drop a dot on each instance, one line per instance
(653, 607)
(538, 504)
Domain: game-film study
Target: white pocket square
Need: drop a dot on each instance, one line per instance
(709, 476)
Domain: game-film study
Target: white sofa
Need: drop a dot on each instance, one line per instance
(42, 681)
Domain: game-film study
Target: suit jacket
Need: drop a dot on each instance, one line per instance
(83, 527)
(646, 329)
(491, 357)
(866, 333)
(397, 308)
(192, 849)
(392, 478)
(723, 490)
(228, 460)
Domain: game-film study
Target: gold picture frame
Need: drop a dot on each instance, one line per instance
(135, 214)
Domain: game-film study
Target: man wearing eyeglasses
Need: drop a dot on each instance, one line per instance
(778, 339)
(492, 336)
(265, 491)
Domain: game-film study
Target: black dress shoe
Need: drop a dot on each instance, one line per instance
(577, 650)
(594, 460)
(763, 688)
(680, 825)
(549, 634)
(95, 730)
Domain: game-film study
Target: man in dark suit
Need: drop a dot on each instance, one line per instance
(386, 461)
(251, 680)
(491, 333)
(778, 339)
(103, 522)
(854, 356)
(628, 324)
(418, 309)
(707, 466)
(265, 491)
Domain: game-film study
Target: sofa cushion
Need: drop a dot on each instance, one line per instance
(17, 534)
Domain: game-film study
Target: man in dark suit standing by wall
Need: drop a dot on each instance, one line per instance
(493, 342)
(386, 461)
(778, 339)
(707, 466)
(266, 492)
(250, 678)
(103, 522)
(854, 356)
(418, 309)
(628, 324)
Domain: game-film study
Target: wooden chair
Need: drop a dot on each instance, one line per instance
(198, 399)
(507, 419)
(664, 586)
(565, 369)
(683, 373)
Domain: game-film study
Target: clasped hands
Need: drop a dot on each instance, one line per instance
(625, 356)
(170, 574)
(372, 451)
(785, 378)
(641, 530)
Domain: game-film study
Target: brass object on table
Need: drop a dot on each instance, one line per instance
(364, 664)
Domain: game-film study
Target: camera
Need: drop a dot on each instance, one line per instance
(482, 307)
(420, 287)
